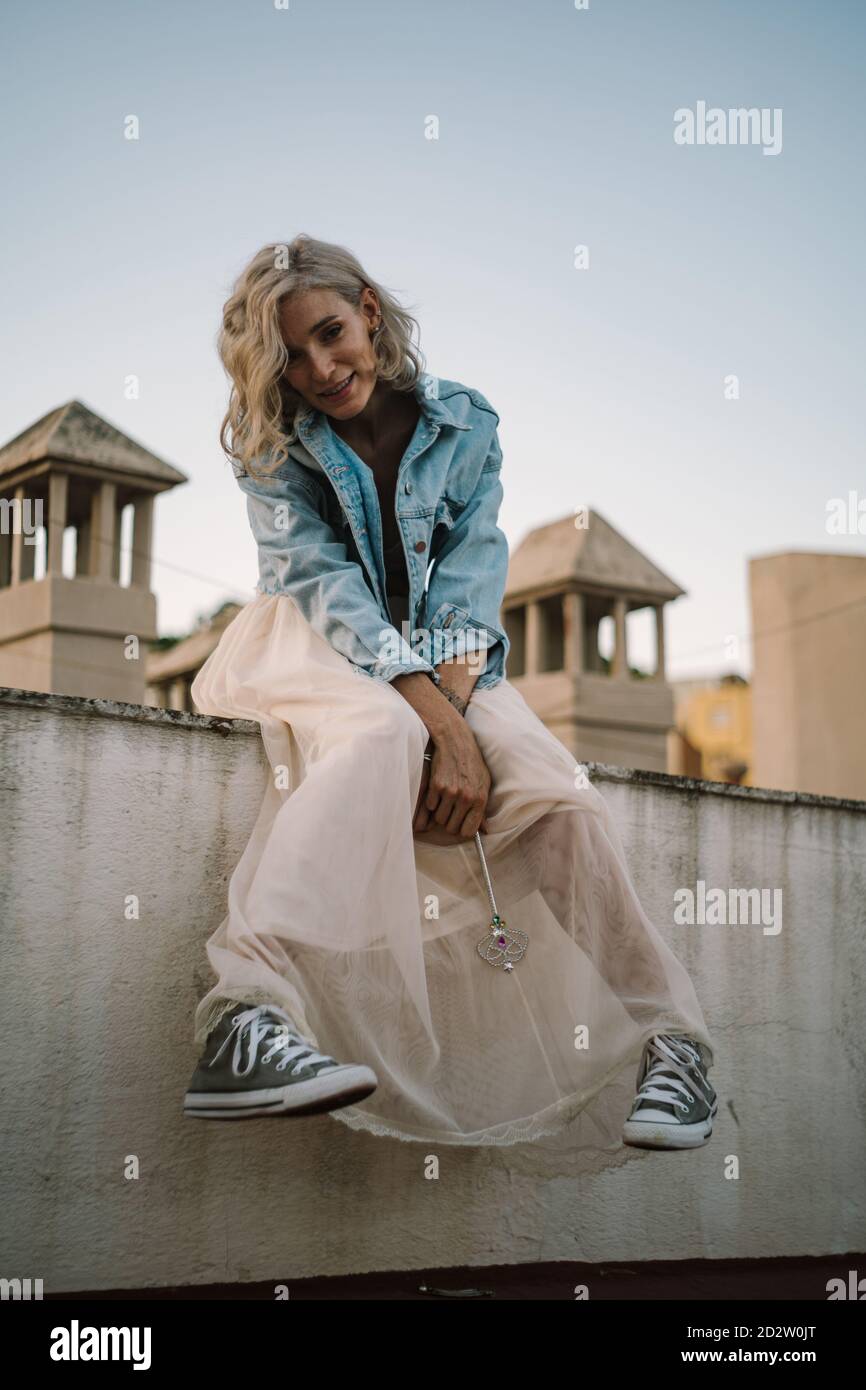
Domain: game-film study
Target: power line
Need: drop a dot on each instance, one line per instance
(147, 555)
(784, 627)
(113, 671)
(749, 639)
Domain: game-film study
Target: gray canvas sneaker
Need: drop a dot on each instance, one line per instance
(255, 1063)
(675, 1103)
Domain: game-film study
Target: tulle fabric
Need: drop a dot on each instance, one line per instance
(368, 936)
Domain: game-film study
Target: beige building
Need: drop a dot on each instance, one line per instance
(563, 580)
(809, 704)
(81, 631)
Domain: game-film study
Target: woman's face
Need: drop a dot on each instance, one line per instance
(328, 341)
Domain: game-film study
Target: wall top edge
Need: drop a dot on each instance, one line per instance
(79, 706)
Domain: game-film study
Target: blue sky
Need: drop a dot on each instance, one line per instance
(555, 130)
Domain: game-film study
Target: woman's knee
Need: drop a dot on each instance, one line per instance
(406, 722)
(391, 717)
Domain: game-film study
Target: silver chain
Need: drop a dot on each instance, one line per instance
(502, 945)
(486, 873)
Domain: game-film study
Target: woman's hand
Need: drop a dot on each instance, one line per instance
(455, 785)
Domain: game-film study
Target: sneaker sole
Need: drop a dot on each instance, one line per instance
(648, 1134)
(320, 1094)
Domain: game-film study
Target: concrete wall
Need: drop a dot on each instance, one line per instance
(102, 800)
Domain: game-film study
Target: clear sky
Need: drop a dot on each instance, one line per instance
(556, 129)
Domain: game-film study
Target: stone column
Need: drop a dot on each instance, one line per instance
(23, 549)
(103, 517)
(58, 494)
(534, 638)
(619, 665)
(660, 641)
(572, 618)
(142, 539)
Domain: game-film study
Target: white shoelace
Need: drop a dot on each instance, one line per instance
(672, 1055)
(280, 1035)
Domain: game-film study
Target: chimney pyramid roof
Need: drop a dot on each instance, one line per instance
(73, 433)
(560, 556)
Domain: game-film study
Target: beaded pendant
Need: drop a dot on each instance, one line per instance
(503, 946)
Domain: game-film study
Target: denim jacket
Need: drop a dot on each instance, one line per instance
(318, 527)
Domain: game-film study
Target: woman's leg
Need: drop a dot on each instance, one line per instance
(369, 939)
(578, 862)
(351, 749)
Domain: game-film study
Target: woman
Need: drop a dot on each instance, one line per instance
(359, 924)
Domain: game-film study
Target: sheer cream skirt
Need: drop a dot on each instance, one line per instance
(368, 936)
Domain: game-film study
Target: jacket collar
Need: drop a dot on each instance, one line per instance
(426, 391)
(427, 395)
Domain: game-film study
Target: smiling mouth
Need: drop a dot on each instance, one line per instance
(339, 388)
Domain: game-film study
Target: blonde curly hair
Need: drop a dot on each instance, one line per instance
(261, 419)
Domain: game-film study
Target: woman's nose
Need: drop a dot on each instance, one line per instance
(321, 369)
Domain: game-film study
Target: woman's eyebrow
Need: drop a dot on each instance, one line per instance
(316, 326)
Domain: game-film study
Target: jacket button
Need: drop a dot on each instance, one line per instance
(407, 487)
(420, 545)
(448, 620)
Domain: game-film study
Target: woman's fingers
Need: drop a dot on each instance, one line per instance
(455, 796)
(463, 812)
(472, 822)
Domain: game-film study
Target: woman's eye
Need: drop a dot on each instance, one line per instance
(334, 329)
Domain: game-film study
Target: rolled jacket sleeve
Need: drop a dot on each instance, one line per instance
(467, 582)
(311, 565)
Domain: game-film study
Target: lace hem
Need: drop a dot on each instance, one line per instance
(512, 1132)
(548, 1122)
